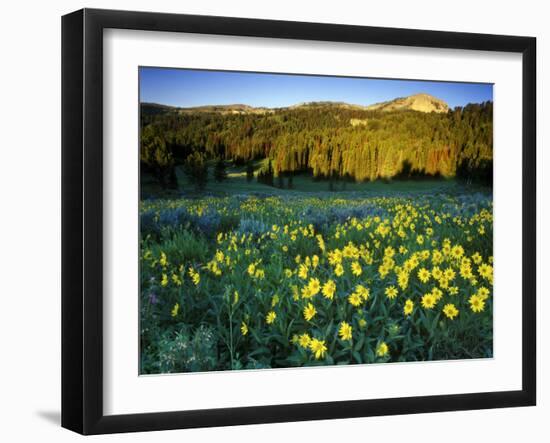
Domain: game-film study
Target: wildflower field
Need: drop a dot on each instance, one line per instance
(252, 281)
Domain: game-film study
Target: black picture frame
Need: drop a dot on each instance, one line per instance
(82, 218)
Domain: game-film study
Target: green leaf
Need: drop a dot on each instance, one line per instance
(258, 351)
(359, 343)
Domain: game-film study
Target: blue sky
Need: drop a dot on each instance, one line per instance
(186, 88)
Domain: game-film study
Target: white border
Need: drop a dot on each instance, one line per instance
(126, 392)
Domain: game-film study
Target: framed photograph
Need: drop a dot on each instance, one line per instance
(269, 221)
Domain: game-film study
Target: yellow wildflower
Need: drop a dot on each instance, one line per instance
(437, 273)
(483, 293)
(453, 290)
(363, 292)
(423, 275)
(304, 340)
(428, 301)
(318, 348)
(309, 312)
(449, 274)
(408, 308)
(335, 257)
(175, 310)
(457, 251)
(356, 269)
(315, 261)
(195, 277)
(437, 293)
(382, 349)
(486, 271)
(314, 286)
(403, 279)
(345, 331)
(329, 288)
(391, 292)
(270, 317)
(302, 272)
(306, 292)
(355, 299)
(450, 311)
(477, 304)
(321, 242)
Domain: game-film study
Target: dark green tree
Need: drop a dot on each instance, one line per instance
(196, 170)
(249, 172)
(266, 176)
(156, 157)
(280, 181)
(322, 140)
(290, 182)
(220, 171)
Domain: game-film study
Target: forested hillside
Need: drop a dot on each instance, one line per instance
(329, 140)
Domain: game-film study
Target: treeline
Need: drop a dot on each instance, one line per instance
(329, 141)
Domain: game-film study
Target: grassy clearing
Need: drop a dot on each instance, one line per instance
(236, 183)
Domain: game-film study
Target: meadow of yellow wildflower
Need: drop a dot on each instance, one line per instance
(250, 281)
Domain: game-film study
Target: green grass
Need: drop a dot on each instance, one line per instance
(236, 183)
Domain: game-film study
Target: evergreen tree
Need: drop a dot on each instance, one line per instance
(249, 172)
(156, 157)
(290, 183)
(265, 176)
(196, 170)
(269, 176)
(220, 172)
(280, 181)
(325, 140)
